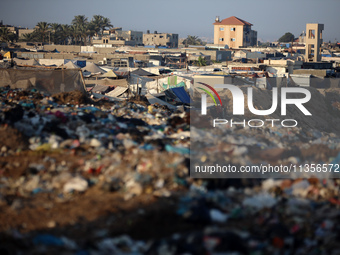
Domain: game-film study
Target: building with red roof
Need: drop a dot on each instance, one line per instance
(234, 32)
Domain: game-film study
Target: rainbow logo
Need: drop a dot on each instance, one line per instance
(209, 93)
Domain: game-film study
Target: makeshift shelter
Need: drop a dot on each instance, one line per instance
(49, 80)
(182, 95)
(93, 69)
(142, 72)
(154, 100)
(24, 62)
(69, 65)
(101, 88)
(109, 74)
(118, 91)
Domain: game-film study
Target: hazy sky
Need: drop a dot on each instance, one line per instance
(270, 18)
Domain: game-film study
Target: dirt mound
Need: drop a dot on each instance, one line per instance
(73, 97)
(12, 139)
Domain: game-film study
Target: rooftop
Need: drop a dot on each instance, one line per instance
(233, 21)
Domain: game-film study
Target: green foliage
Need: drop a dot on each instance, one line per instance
(193, 40)
(201, 61)
(287, 37)
(78, 32)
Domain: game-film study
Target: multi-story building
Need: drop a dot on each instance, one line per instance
(313, 42)
(234, 32)
(118, 37)
(161, 39)
(130, 35)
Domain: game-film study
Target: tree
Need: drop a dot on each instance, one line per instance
(99, 23)
(96, 23)
(42, 28)
(64, 33)
(287, 37)
(106, 23)
(79, 21)
(29, 37)
(4, 34)
(74, 34)
(201, 61)
(192, 40)
(55, 27)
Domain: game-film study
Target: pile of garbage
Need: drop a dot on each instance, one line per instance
(79, 176)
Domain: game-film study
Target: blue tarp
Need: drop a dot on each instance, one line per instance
(182, 94)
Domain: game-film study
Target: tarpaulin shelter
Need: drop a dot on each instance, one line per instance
(49, 80)
(69, 65)
(29, 62)
(117, 91)
(93, 68)
(101, 88)
(154, 100)
(182, 95)
(142, 72)
(109, 74)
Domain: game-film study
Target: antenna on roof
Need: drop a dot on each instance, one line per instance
(217, 19)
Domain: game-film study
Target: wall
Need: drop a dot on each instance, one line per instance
(63, 48)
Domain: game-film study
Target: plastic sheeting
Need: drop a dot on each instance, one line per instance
(154, 100)
(50, 81)
(117, 92)
(182, 95)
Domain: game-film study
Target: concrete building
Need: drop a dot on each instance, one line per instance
(118, 37)
(161, 39)
(130, 35)
(313, 42)
(234, 32)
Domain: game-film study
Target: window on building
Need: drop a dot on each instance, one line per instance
(232, 39)
(232, 29)
(221, 39)
(311, 34)
(221, 28)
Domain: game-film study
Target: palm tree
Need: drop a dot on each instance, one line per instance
(201, 61)
(83, 33)
(64, 33)
(97, 22)
(192, 40)
(42, 28)
(4, 34)
(74, 33)
(106, 23)
(100, 23)
(55, 27)
(29, 37)
(79, 20)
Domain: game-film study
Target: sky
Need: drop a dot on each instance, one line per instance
(270, 18)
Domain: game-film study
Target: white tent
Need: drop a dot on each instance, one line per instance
(93, 68)
(69, 65)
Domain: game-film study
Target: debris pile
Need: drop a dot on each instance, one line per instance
(79, 176)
